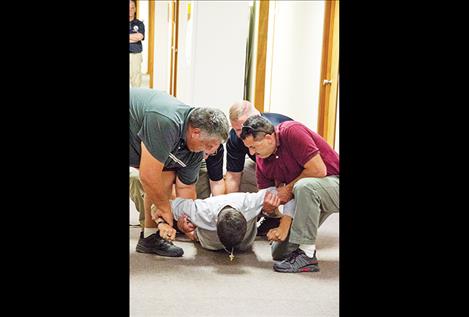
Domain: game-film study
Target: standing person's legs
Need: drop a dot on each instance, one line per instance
(135, 69)
(316, 199)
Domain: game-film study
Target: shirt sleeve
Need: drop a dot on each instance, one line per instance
(298, 138)
(159, 135)
(201, 212)
(289, 208)
(190, 174)
(141, 29)
(182, 206)
(235, 153)
(215, 165)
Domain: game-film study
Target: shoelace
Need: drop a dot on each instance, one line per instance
(158, 238)
(293, 256)
(168, 242)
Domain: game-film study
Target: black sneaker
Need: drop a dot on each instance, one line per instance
(266, 224)
(155, 244)
(298, 261)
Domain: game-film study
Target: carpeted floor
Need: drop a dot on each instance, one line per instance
(206, 283)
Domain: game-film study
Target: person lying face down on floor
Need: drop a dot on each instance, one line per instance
(227, 222)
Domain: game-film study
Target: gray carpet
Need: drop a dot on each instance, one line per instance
(206, 283)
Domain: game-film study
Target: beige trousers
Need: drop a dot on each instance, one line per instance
(135, 69)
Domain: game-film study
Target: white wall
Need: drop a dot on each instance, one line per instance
(293, 65)
(143, 16)
(162, 56)
(214, 73)
(186, 58)
(253, 68)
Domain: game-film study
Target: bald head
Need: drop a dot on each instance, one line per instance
(239, 112)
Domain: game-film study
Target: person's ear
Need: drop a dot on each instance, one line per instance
(196, 133)
(269, 137)
(180, 223)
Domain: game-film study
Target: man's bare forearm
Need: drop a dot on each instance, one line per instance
(285, 222)
(304, 174)
(135, 37)
(315, 167)
(217, 187)
(233, 181)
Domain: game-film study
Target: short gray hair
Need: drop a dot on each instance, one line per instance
(212, 122)
(240, 108)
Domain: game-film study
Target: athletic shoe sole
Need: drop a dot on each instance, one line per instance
(308, 268)
(142, 249)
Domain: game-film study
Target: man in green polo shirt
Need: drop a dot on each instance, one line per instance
(167, 141)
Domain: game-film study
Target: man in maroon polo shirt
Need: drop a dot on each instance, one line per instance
(301, 164)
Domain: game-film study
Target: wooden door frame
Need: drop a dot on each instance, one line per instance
(263, 28)
(136, 8)
(151, 40)
(174, 47)
(327, 111)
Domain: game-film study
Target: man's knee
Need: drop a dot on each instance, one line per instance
(308, 185)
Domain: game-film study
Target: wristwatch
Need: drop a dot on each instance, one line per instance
(158, 221)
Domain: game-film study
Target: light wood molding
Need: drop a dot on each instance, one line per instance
(174, 47)
(329, 72)
(259, 89)
(151, 40)
(136, 9)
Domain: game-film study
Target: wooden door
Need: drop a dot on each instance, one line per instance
(329, 73)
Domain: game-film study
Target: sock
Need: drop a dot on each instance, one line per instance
(149, 231)
(309, 249)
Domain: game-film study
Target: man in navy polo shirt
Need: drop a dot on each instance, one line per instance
(301, 164)
(136, 36)
(241, 169)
